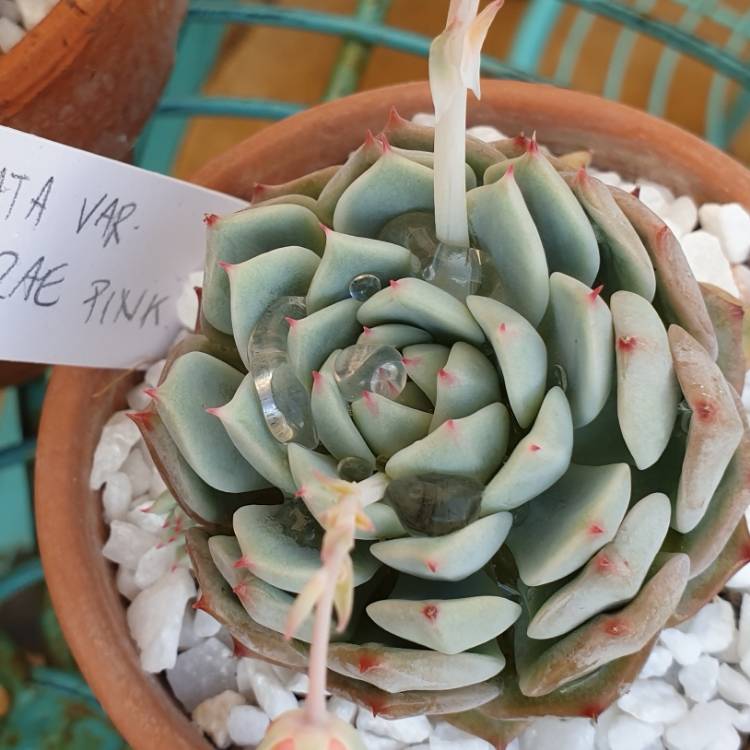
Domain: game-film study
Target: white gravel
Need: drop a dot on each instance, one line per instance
(693, 693)
(19, 16)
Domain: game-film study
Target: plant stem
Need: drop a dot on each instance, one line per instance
(315, 705)
(451, 223)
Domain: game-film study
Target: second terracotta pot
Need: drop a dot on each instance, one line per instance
(69, 521)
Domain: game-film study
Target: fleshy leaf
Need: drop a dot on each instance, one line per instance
(647, 390)
(625, 262)
(242, 418)
(394, 334)
(537, 461)
(207, 506)
(520, 351)
(611, 578)
(386, 425)
(276, 558)
(312, 339)
(467, 383)
(345, 257)
(256, 283)
(423, 305)
(726, 510)
(336, 429)
(678, 297)
(501, 224)
(715, 428)
(392, 185)
(196, 381)
(444, 617)
(578, 332)
(473, 446)
(727, 315)
(568, 239)
(588, 504)
(423, 362)
(451, 557)
(396, 670)
(244, 235)
(609, 636)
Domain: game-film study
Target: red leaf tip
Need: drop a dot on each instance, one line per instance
(258, 192)
(595, 292)
(210, 219)
(394, 118)
(225, 266)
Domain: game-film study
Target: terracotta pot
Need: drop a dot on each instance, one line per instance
(68, 513)
(89, 75)
(91, 72)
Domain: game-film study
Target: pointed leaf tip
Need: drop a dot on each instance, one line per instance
(210, 219)
(141, 418)
(394, 118)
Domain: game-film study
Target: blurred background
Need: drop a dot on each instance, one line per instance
(240, 66)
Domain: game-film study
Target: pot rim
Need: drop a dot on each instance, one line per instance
(68, 514)
(53, 44)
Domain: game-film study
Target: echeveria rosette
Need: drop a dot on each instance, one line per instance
(564, 456)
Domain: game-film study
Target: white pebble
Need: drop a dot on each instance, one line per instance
(447, 737)
(743, 637)
(485, 133)
(658, 662)
(155, 619)
(629, 733)
(376, 742)
(125, 581)
(604, 722)
(713, 626)
(409, 730)
(730, 223)
(157, 485)
(187, 308)
(137, 398)
(741, 579)
(127, 544)
(733, 686)
(706, 724)
(8, 9)
(154, 564)
(700, 680)
(707, 261)
(188, 638)
(212, 716)
(653, 197)
(138, 471)
(153, 373)
(140, 516)
(116, 497)
(202, 671)
(269, 692)
(742, 721)
(205, 625)
(681, 215)
(653, 701)
(344, 709)
(549, 733)
(684, 647)
(608, 178)
(118, 436)
(741, 276)
(247, 725)
(10, 34)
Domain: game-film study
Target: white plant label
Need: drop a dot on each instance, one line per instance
(93, 254)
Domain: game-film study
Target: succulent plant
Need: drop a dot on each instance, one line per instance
(540, 426)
